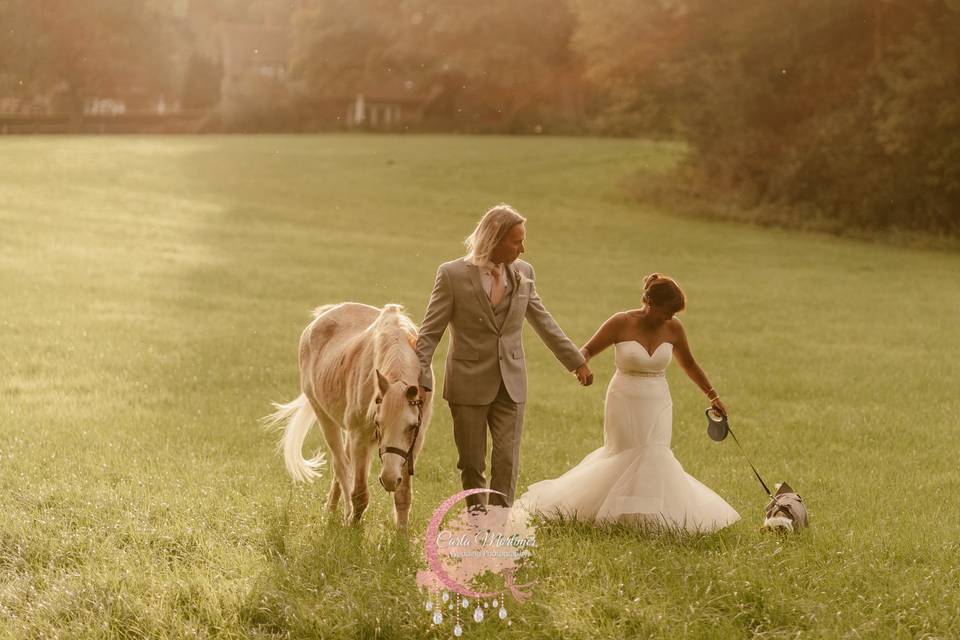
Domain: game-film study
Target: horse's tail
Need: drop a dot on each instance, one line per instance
(296, 418)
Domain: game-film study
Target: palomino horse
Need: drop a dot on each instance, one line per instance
(358, 377)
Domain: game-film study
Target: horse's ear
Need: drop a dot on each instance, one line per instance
(412, 393)
(382, 383)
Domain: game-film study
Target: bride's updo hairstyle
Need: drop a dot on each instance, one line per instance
(663, 292)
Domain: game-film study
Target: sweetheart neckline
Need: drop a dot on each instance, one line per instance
(649, 355)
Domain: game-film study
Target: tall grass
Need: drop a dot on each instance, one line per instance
(154, 290)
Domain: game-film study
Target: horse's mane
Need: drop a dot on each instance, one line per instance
(319, 311)
(394, 336)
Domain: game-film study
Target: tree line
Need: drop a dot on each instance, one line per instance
(842, 109)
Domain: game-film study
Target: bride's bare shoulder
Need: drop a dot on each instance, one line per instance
(676, 327)
(614, 325)
(622, 318)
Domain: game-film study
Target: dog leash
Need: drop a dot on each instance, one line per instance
(718, 428)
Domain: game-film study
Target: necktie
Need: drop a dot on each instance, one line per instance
(496, 294)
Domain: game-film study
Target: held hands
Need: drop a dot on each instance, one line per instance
(584, 375)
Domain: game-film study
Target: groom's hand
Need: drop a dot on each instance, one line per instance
(584, 375)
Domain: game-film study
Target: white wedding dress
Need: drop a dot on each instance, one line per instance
(634, 477)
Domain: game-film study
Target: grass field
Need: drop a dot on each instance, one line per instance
(153, 292)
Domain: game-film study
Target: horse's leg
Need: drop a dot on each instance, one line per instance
(402, 498)
(341, 465)
(360, 447)
(333, 497)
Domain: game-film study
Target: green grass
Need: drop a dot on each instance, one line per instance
(153, 293)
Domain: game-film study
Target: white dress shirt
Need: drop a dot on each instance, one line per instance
(486, 277)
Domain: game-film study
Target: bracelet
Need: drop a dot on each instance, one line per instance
(712, 391)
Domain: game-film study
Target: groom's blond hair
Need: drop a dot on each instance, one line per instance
(491, 229)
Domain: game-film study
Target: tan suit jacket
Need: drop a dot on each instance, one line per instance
(482, 354)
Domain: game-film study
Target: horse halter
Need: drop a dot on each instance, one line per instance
(406, 455)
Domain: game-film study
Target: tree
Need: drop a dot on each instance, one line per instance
(89, 46)
(342, 45)
(845, 107)
(510, 63)
(495, 65)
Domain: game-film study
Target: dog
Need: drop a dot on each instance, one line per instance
(786, 511)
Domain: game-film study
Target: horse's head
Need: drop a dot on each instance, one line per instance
(398, 418)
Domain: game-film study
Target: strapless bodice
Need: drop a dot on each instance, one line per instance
(632, 358)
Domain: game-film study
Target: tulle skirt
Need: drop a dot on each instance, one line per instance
(634, 477)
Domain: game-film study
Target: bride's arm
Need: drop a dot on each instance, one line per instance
(681, 351)
(605, 336)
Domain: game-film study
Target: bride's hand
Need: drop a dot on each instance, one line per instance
(584, 375)
(719, 406)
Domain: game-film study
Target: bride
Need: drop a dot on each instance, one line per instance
(634, 476)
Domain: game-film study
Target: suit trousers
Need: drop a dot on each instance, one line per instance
(504, 417)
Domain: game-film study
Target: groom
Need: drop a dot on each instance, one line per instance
(484, 297)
